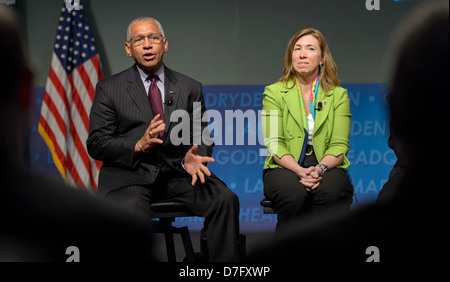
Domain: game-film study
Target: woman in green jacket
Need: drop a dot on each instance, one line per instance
(306, 125)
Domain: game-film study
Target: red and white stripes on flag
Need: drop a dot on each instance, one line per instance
(69, 93)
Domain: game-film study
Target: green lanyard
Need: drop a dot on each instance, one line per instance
(312, 101)
(312, 105)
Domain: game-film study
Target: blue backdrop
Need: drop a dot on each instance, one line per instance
(239, 150)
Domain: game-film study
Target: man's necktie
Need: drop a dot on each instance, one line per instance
(154, 96)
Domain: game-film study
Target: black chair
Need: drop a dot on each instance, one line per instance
(166, 212)
(268, 208)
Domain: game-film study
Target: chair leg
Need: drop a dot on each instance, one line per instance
(165, 226)
(170, 245)
(242, 243)
(187, 243)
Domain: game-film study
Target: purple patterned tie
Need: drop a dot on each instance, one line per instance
(154, 96)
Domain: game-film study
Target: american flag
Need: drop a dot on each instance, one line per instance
(69, 92)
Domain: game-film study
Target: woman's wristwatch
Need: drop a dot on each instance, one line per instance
(323, 167)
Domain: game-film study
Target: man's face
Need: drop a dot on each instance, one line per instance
(147, 53)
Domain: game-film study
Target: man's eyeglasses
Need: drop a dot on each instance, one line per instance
(154, 38)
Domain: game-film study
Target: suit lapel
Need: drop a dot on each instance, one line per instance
(322, 115)
(290, 97)
(137, 92)
(172, 94)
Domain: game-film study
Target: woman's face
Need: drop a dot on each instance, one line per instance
(307, 55)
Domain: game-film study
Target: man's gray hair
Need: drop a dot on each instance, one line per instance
(144, 19)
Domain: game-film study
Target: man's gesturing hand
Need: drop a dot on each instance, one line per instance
(151, 135)
(194, 165)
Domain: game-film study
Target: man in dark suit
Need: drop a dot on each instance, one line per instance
(149, 133)
(41, 219)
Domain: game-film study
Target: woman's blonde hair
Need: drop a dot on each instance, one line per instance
(328, 74)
